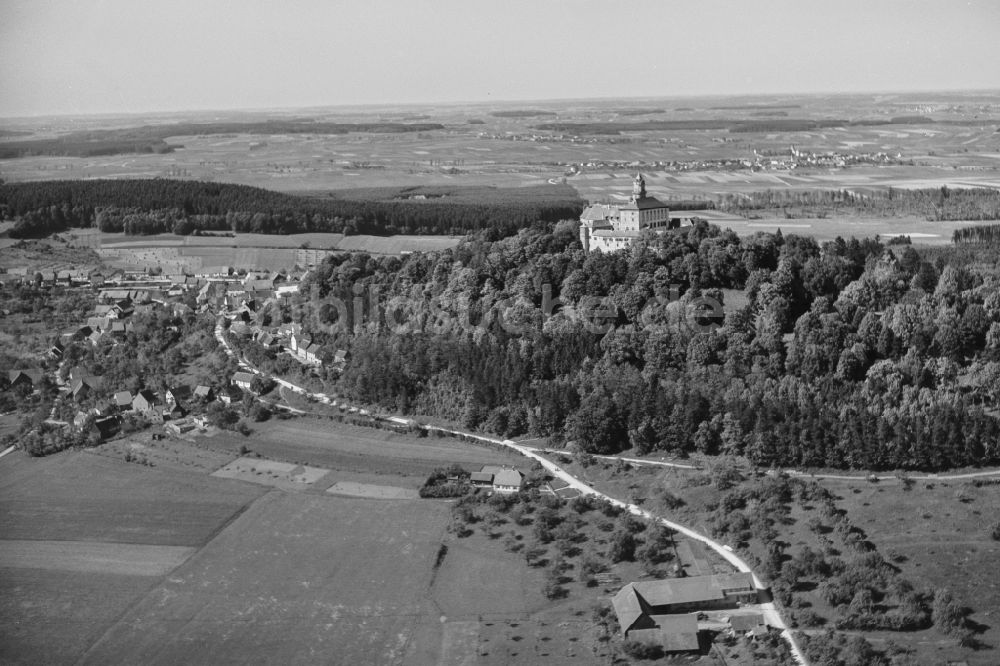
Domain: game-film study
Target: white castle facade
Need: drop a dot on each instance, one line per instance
(608, 228)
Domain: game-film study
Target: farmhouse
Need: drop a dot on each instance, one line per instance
(481, 479)
(242, 380)
(638, 604)
(609, 228)
(500, 479)
(674, 633)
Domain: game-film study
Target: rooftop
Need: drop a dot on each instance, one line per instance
(676, 633)
(693, 589)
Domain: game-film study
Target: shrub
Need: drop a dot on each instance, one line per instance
(639, 650)
(622, 547)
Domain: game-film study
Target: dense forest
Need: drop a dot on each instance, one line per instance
(150, 206)
(934, 204)
(151, 138)
(844, 354)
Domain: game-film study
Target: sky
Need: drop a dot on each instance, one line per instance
(130, 56)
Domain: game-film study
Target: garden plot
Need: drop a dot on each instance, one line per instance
(271, 473)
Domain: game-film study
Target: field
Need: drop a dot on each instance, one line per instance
(191, 254)
(163, 561)
(927, 140)
(354, 449)
(920, 231)
(950, 139)
(937, 533)
(296, 579)
(84, 537)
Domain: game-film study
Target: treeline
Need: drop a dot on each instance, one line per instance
(183, 207)
(756, 125)
(522, 113)
(843, 355)
(935, 204)
(73, 146)
(151, 138)
(987, 234)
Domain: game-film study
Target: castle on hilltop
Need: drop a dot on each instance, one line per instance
(608, 228)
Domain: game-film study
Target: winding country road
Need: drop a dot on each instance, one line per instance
(769, 610)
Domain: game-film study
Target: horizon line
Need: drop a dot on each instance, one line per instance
(484, 102)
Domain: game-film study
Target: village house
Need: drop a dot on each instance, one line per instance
(122, 400)
(748, 624)
(181, 310)
(310, 354)
(104, 408)
(173, 411)
(267, 340)
(82, 387)
(24, 377)
(145, 402)
(98, 323)
(107, 426)
(499, 479)
(242, 380)
(79, 333)
(204, 393)
(174, 395)
(229, 394)
(119, 329)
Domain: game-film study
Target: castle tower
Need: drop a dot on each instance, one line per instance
(638, 188)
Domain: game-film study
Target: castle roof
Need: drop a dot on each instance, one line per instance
(599, 212)
(644, 203)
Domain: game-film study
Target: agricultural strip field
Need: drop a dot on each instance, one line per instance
(298, 578)
(343, 447)
(83, 497)
(920, 231)
(302, 578)
(196, 254)
(93, 557)
(83, 537)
